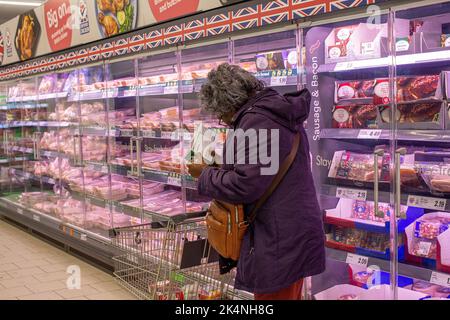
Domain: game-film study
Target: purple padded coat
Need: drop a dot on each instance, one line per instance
(288, 234)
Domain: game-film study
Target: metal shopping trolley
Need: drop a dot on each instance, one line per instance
(170, 260)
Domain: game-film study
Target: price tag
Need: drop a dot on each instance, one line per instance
(187, 136)
(76, 131)
(167, 134)
(357, 260)
(278, 81)
(83, 237)
(427, 202)
(441, 279)
(19, 210)
(36, 218)
(126, 133)
(343, 66)
(174, 181)
(148, 134)
(171, 89)
(424, 248)
(112, 132)
(353, 194)
(369, 134)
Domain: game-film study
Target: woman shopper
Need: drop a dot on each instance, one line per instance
(285, 243)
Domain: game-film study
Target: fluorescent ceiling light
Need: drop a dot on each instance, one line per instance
(21, 3)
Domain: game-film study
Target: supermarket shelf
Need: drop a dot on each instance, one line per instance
(119, 207)
(406, 270)
(8, 160)
(38, 97)
(31, 176)
(15, 124)
(271, 78)
(428, 200)
(13, 106)
(403, 135)
(93, 245)
(442, 56)
(46, 153)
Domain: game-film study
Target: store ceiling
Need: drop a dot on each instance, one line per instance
(9, 11)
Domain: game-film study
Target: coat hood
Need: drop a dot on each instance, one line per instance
(289, 110)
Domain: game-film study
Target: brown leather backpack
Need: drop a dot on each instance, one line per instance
(226, 222)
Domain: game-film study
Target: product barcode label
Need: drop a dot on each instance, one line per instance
(174, 181)
(367, 48)
(126, 133)
(168, 135)
(427, 202)
(278, 81)
(369, 134)
(353, 194)
(148, 134)
(19, 211)
(36, 218)
(441, 279)
(357, 260)
(424, 248)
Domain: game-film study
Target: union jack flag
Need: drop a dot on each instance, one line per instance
(245, 18)
(82, 56)
(194, 30)
(218, 24)
(173, 34)
(276, 11)
(121, 46)
(71, 58)
(154, 39)
(94, 53)
(107, 50)
(137, 43)
(307, 8)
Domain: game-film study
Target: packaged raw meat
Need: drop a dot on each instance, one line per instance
(47, 84)
(430, 227)
(413, 113)
(437, 177)
(355, 116)
(424, 287)
(352, 90)
(355, 166)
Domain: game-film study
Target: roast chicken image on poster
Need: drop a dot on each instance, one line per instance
(27, 35)
(116, 16)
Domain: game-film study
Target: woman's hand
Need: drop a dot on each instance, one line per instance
(196, 169)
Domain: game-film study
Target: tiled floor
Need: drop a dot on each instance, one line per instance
(33, 269)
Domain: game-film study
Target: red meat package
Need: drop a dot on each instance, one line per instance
(355, 117)
(350, 90)
(409, 89)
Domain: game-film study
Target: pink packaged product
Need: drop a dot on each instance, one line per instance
(365, 210)
(426, 230)
(351, 90)
(430, 228)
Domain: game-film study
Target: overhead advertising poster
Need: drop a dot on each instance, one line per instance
(116, 16)
(58, 24)
(61, 24)
(169, 9)
(27, 35)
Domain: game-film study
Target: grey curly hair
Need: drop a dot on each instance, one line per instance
(228, 88)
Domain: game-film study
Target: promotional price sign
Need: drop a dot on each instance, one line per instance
(58, 23)
(169, 9)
